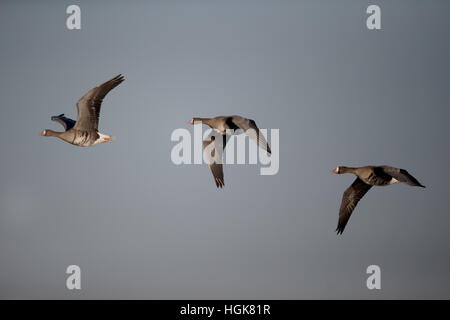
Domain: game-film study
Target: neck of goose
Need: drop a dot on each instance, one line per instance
(206, 121)
(347, 170)
(52, 133)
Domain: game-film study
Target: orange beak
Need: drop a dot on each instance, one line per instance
(191, 122)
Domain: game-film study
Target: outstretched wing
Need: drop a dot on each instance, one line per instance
(252, 131)
(216, 168)
(402, 175)
(350, 199)
(67, 123)
(89, 105)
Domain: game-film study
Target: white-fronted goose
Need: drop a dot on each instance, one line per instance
(84, 131)
(227, 126)
(366, 177)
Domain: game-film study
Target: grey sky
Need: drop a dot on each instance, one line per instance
(141, 227)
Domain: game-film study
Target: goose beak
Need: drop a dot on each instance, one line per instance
(191, 122)
(42, 133)
(334, 171)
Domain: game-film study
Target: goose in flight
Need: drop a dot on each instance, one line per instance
(227, 126)
(84, 131)
(366, 177)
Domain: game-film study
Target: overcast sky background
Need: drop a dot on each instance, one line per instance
(141, 227)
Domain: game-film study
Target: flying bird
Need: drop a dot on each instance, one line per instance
(366, 177)
(84, 132)
(227, 126)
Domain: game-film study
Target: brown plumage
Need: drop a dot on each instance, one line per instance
(227, 126)
(84, 131)
(367, 177)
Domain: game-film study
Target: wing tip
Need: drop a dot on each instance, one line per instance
(416, 184)
(339, 230)
(220, 183)
(117, 79)
(57, 117)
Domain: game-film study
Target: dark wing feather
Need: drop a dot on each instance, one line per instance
(350, 199)
(402, 175)
(216, 168)
(89, 105)
(254, 134)
(67, 123)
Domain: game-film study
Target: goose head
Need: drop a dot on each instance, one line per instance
(338, 170)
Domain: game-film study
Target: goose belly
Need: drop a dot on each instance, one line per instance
(84, 139)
